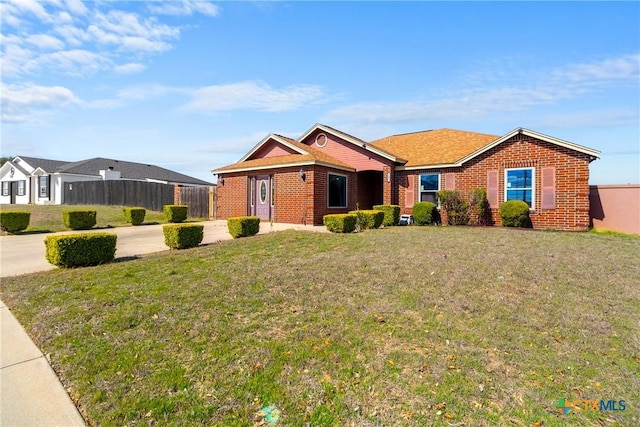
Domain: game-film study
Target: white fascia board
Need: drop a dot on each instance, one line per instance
(537, 135)
(352, 140)
(72, 175)
(264, 141)
(280, 165)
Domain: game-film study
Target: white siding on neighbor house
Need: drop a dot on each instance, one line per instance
(17, 176)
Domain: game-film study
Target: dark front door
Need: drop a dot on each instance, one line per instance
(262, 198)
(13, 190)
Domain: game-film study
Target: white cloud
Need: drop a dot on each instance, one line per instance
(27, 102)
(186, 7)
(65, 28)
(626, 67)
(77, 7)
(492, 97)
(45, 42)
(76, 62)
(130, 68)
(253, 96)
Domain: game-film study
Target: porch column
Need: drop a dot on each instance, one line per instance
(387, 185)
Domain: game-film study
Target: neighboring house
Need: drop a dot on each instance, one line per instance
(26, 180)
(328, 171)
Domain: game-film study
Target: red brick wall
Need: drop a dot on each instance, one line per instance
(296, 201)
(320, 196)
(571, 180)
(232, 196)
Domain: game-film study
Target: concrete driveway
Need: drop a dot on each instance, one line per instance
(26, 253)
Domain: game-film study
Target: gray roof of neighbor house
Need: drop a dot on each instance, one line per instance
(128, 170)
(44, 164)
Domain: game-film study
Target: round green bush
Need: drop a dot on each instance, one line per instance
(182, 236)
(134, 215)
(80, 250)
(515, 213)
(175, 213)
(425, 213)
(14, 221)
(79, 219)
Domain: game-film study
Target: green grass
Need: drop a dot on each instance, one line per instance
(48, 218)
(367, 329)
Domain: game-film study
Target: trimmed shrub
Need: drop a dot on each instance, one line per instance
(425, 213)
(479, 207)
(243, 226)
(175, 213)
(391, 214)
(340, 223)
(13, 221)
(515, 213)
(79, 219)
(134, 215)
(182, 236)
(368, 218)
(455, 206)
(80, 250)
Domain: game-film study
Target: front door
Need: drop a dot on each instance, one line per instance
(13, 190)
(262, 198)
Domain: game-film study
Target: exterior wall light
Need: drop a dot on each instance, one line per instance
(303, 176)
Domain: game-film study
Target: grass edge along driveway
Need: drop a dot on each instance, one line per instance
(399, 326)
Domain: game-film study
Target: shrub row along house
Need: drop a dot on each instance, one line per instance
(327, 171)
(26, 180)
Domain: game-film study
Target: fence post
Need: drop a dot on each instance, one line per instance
(176, 194)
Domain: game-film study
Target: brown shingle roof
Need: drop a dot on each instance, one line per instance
(314, 156)
(434, 147)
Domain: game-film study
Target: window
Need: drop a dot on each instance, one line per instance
(43, 183)
(21, 188)
(5, 188)
(429, 186)
(252, 192)
(273, 190)
(337, 191)
(519, 185)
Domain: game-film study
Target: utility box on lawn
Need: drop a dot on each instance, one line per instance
(405, 219)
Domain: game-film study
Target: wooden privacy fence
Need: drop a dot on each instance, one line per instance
(201, 200)
(149, 195)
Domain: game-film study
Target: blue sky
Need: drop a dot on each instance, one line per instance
(192, 85)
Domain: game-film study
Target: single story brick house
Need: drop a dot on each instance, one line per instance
(25, 180)
(328, 171)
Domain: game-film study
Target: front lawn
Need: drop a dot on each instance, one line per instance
(401, 326)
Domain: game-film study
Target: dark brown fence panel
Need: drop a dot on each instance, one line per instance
(149, 195)
(199, 199)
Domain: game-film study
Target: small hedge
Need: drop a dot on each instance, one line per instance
(80, 250)
(175, 213)
(182, 236)
(340, 223)
(425, 213)
(368, 218)
(515, 213)
(79, 219)
(13, 221)
(391, 214)
(134, 215)
(243, 226)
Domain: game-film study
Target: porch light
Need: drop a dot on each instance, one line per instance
(221, 181)
(303, 176)
(388, 176)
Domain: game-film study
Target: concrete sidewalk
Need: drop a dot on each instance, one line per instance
(30, 392)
